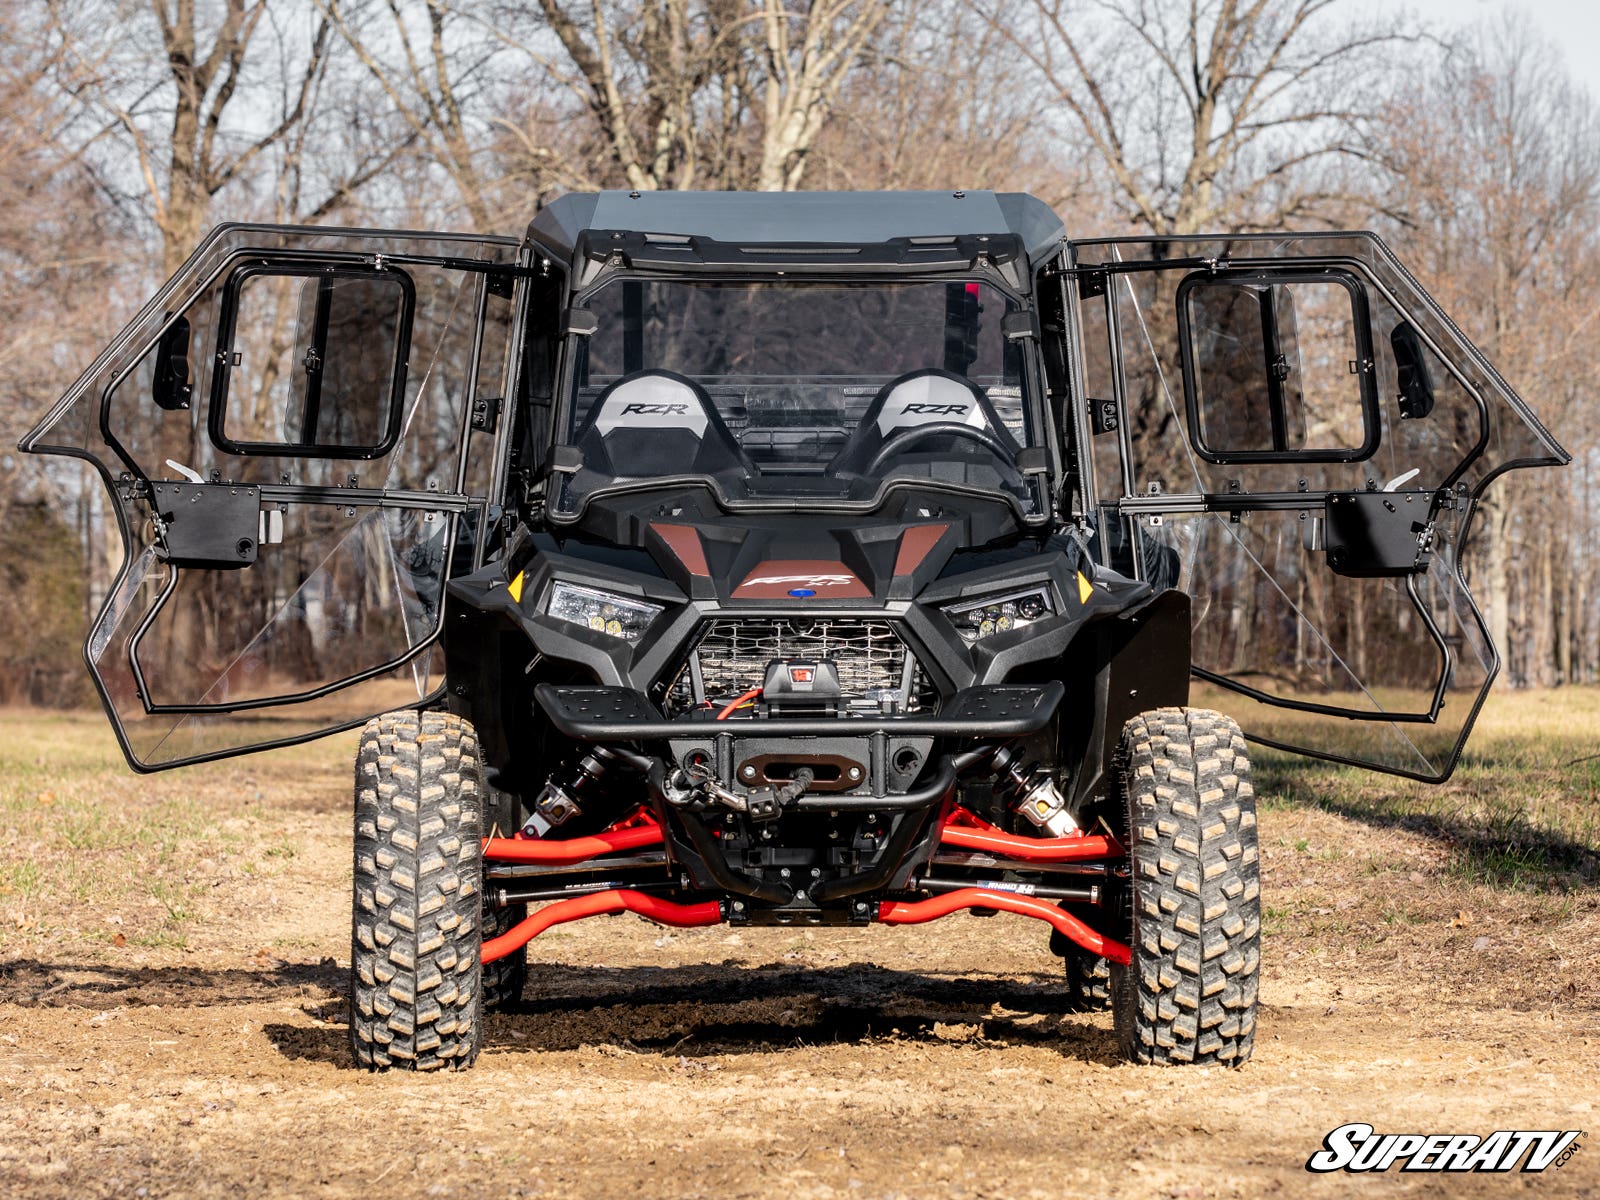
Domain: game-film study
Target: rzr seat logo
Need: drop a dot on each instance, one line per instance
(655, 410)
(935, 410)
(1356, 1147)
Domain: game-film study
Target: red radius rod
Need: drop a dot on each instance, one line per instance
(970, 832)
(667, 912)
(573, 850)
(915, 912)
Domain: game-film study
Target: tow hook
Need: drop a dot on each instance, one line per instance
(688, 787)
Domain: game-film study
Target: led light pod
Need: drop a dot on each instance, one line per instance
(603, 612)
(978, 619)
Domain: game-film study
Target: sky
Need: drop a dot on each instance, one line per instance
(1573, 26)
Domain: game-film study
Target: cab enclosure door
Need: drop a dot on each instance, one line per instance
(1290, 430)
(285, 434)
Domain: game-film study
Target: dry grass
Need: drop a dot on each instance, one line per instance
(1522, 810)
(94, 858)
(91, 853)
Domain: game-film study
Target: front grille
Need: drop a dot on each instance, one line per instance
(876, 672)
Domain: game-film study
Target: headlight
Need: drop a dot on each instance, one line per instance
(600, 611)
(975, 619)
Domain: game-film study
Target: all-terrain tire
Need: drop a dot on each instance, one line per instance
(1088, 982)
(503, 978)
(1088, 975)
(1193, 902)
(416, 988)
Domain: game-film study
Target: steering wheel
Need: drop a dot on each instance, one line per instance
(899, 441)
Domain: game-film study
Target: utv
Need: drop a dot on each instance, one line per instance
(817, 559)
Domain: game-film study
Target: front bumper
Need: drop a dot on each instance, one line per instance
(587, 713)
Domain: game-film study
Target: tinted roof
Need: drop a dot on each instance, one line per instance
(797, 218)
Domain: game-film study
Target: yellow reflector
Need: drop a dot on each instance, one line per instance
(1085, 589)
(515, 587)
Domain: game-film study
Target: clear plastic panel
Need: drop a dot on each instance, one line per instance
(1270, 616)
(341, 595)
(1476, 425)
(361, 592)
(332, 623)
(163, 740)
(113, 405)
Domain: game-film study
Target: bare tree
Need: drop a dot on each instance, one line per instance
(1493, 189)
(1218, 114)
(431, 68)
(705, 93)
(191, 129)
(929, 112)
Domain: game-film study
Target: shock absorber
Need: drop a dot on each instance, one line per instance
(559, 800)
(1032, 790)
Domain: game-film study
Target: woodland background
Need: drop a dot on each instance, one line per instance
(133, 125)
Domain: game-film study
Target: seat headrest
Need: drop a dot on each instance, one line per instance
(934, 398)
(650, 401)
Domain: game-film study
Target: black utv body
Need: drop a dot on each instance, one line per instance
(810, 559)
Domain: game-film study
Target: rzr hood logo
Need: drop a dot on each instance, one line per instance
(1357, 1147)
(811, 581)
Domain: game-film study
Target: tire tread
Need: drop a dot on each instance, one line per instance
(1189, 995)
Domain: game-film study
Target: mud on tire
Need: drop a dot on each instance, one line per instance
(1194, 896)
(416, 986)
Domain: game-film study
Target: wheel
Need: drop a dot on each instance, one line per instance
(1088, 975)
(503, 978)
(1088, 982)
(416, 988)
(1193, 898)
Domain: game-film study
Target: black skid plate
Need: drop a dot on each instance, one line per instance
(610, 713)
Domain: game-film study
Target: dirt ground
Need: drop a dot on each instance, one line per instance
(172, 962)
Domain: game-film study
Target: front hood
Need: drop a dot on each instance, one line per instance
(804, 559)
(796, 563)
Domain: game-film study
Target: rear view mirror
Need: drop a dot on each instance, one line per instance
(961, 317)
(1411, 368)
(173, 387)
(1277, 367)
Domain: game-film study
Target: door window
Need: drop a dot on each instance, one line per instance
(314, 362)
(1277, 368)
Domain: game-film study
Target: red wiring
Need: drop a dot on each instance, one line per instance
(739, 703)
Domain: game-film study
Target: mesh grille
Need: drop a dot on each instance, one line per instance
(733, 655)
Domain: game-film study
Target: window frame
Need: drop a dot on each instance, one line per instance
(326, 274)
(1365, 374)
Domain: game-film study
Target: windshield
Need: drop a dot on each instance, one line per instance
(799, 389)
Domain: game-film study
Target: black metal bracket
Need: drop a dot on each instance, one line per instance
(1376, 534)
(486, 413)
(212, 526)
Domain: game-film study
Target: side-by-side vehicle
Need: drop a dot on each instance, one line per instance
(815, 560)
